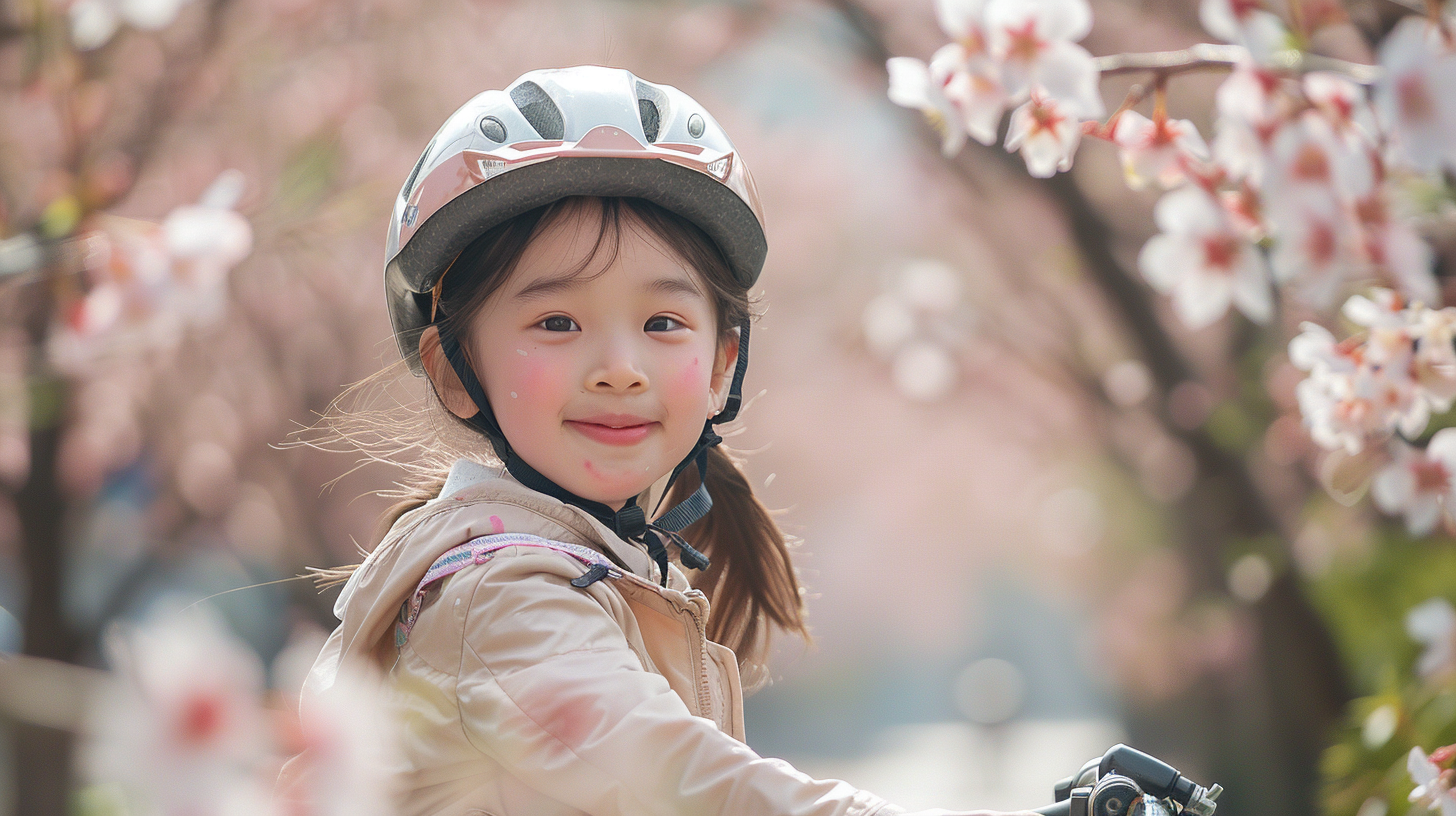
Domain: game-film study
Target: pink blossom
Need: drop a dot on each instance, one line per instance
(1394, 249)
(1432, 623)
(1035, 42)
(958, 93)
(964, 21)
(1390, 379)
(1413, 96)
(1045, 133)
(1418, 484)
(1158, 149)
(182, 730)
(1246, 23)
(1343, 104)
(95, 22)
(1250, 113)
(1317, 248)
(1433, 784)
(1308, 161)
(1203, 260)
(347, 743)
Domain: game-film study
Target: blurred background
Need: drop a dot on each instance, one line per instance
(1036, 517)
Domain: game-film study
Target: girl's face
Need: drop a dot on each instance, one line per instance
(601, 380)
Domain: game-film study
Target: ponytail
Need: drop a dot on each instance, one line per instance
(751, 583)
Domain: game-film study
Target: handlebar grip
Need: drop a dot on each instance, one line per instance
(1062, 808)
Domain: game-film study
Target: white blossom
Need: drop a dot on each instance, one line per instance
(1391, 379)
(1413, 96)
(182, 730)
(1246, 23)
(1203, 261)
(95, 22)
(1035, 42)
(1045, 133)
(1156, 149)
(1418, 484)
(1433, 784)
(1432, 624)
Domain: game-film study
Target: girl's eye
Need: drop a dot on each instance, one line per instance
(661, 323)
(558, 323)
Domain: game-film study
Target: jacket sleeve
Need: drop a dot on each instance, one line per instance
(549, 688)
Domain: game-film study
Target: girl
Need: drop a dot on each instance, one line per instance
(569, 265)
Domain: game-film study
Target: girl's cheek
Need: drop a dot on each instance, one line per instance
(689, 378)
(536, 378)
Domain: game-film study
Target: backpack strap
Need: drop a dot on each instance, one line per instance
(478, 551)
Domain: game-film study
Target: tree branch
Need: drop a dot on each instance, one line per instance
(1219, 56)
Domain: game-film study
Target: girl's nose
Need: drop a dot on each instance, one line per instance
(618, 369)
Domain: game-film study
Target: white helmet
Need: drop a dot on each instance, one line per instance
(555, 133)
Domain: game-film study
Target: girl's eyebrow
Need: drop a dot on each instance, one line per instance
(546, 286)
(675, 286)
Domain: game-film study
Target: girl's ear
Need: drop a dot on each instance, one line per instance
(724, 362)
(447, 383)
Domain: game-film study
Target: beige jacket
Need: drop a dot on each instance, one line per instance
(521, 695)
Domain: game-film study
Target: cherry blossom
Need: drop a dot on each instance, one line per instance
(913, 85)
(1391, 379)
(1203, 261)
(1250, 112)
(1246, 23)
(150, 281)
(1418, 484)
(1035, 41)
(1343, 104)
(1156, 149)
(1316, 247)
(1045, 133)
(1432, 623)
(1433, 783)
(1367, 391)
(346, 742)
(958, 93)
(95, 22)
(182, 730)
(1413, 98)
(1394, 249)
(964, 21)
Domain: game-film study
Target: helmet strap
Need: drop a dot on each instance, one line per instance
(630, 522)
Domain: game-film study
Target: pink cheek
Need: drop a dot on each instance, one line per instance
(532, 379)
(689, 378)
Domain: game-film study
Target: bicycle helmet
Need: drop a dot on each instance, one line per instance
(551, 134)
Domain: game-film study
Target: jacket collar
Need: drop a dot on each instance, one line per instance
(468, 478)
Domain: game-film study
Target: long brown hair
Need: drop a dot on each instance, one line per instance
(751, 583)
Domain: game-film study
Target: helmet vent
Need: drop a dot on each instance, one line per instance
(651, 102)
(538, 109)
(647, 110)
(409, 183)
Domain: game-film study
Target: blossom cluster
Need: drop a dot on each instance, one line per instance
(183, 732)
(1006, 53)
(146, 282)
(1433, 791)
(1379, 388)
(1301, 186)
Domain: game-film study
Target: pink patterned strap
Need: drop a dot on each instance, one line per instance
(478, 551)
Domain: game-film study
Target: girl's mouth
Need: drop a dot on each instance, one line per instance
(612, 434)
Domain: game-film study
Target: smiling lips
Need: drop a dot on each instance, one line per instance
(613, 429)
